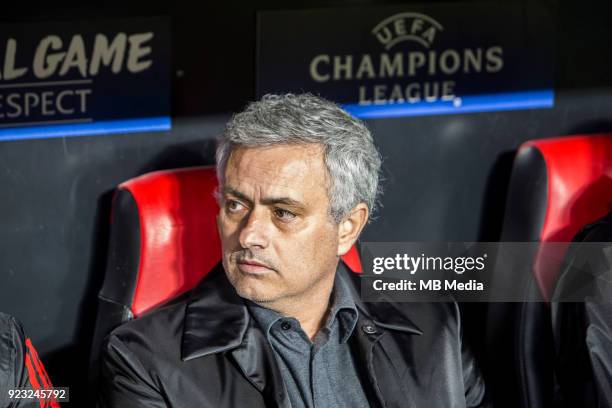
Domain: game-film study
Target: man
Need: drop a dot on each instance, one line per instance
(582, 319)
(23, 380)
(280, 322)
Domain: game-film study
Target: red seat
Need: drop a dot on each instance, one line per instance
(179, 243)
(578, 192)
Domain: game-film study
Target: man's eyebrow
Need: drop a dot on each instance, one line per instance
(281, 200)
(266, 201)
(236, 193)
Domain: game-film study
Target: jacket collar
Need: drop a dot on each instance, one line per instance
(217, 320)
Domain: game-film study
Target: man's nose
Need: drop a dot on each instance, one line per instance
(254, 230)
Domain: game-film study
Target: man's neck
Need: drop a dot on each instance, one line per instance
(310, 309)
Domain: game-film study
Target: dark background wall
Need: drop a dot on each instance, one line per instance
(446, 176)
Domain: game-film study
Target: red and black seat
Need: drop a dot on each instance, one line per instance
(557, 186)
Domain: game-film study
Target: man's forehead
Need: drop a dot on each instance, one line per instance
(289, 166)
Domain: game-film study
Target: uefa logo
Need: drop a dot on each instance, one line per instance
(403, 27)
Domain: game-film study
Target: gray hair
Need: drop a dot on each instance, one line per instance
(352, 161)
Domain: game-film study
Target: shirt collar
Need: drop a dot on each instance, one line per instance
(264, 317)
(342, 309)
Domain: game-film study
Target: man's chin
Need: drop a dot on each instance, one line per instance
(257, 297)
(255, 290)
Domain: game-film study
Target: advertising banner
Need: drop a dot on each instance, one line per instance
(84, 78)
(411, 59)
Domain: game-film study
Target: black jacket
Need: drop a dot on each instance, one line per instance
(20, 368)
(582, 330)
(206, 351)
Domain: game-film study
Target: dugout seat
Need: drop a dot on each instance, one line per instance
(557, 186)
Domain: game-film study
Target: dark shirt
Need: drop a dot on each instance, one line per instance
(321, 373)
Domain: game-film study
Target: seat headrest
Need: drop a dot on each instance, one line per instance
(562, 184)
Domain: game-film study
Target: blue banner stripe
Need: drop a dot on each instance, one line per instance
(472, 103)
(156, 124)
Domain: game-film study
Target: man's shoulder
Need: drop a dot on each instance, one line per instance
(9, 324)
(168, 318)
(157, 331)
(160, 332)
(162, 316)
(12, 334)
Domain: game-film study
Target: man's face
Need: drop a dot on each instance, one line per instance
(279, 241)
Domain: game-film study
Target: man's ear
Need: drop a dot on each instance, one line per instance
(350, 227)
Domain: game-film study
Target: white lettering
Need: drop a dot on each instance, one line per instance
(363, 99)
(494, 58)
(10, 72)
(75, 57)
(384, 35)
(13, 104)
(83, 93)
(429, 34)
(417, 25)
(314, 71)
(391, 69)
(400, 27)
(47, 102)
(45, 65)
(365, 67)
(379, 94)
(137, 51)
(345, 67)
(472, 60)
(415, 60)
(31, 101)
(451, 67)
(448, 90)
(60, 106)
(413, 92)
(396, 95)
(105, 53)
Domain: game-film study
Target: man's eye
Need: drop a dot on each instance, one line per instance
(284, 215)
(233, 205)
